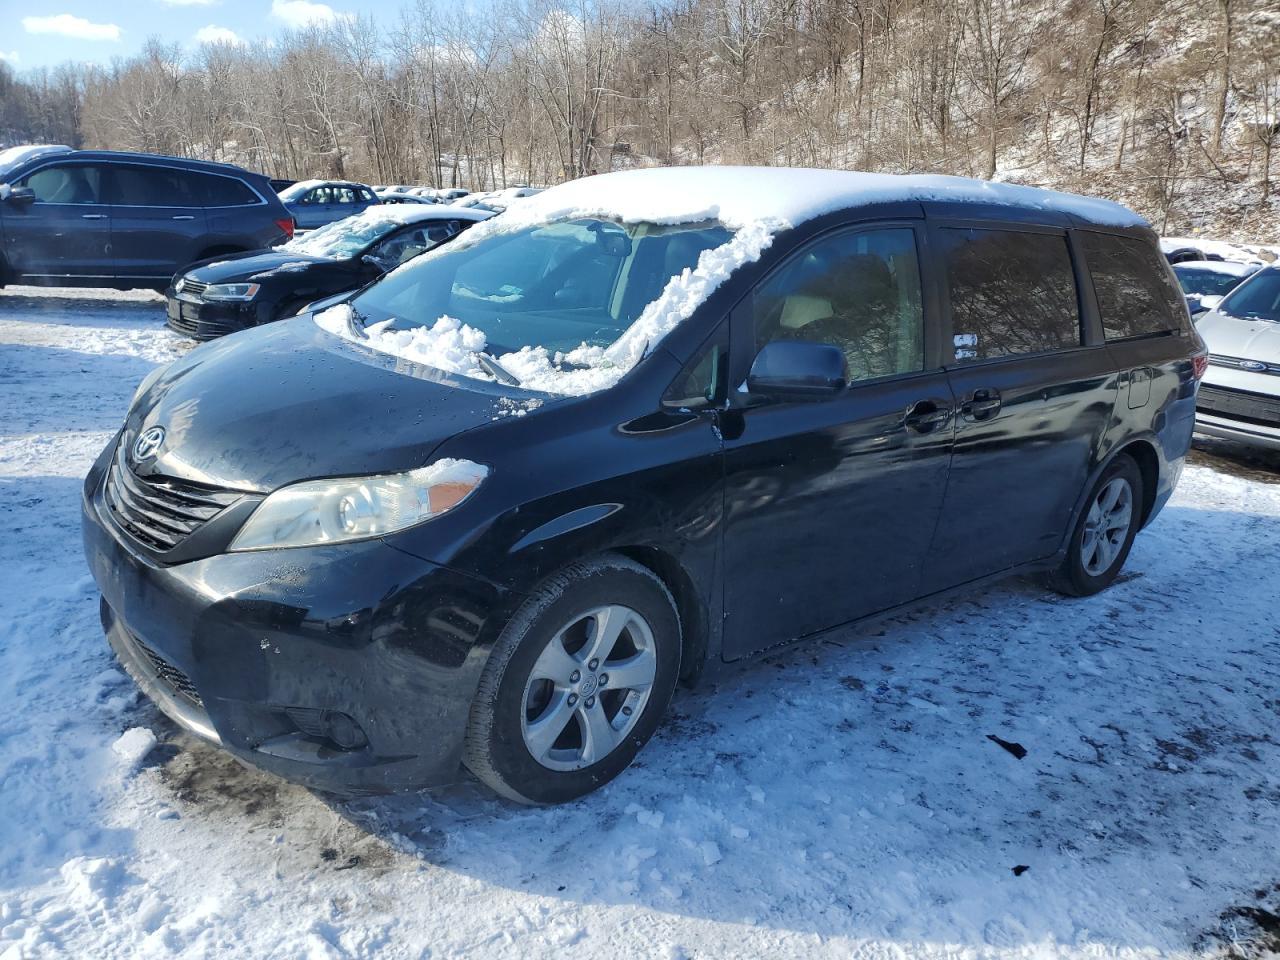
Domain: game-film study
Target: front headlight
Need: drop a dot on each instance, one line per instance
(231, 291)
(356, 508)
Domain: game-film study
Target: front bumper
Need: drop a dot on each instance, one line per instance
(1223, 428)
(204, 320)
(250, 650)
(1240, 405)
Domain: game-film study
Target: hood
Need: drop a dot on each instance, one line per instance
(239, 267)
(287, 402)
(1237, 337)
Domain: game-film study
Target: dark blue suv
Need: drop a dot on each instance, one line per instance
(100, 218)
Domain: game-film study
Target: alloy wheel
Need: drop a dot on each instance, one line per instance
(1106, 526)
(588, 688)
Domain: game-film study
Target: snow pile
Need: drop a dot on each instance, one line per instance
(133, 745)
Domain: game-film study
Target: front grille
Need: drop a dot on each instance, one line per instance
(178, 681)
(160, 512)
(193, 287)
(1241, 405)
(1243, 363)
(200, 329)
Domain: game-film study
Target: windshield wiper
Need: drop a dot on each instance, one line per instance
(356, 322)
(497, 370)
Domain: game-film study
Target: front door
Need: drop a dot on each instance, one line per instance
(1034, 398)
(66, 231)
(830, 505)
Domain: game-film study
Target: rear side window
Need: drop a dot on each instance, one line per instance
(226, 191)
(1011, 293)
(74, 183)
(1136, 295)
(147, 186)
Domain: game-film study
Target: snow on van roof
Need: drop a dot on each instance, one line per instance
(756, 203)
(782, 196)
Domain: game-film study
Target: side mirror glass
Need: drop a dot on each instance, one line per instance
(798, 370)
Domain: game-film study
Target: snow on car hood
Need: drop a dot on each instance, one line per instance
(755, 202)
(1229, 336)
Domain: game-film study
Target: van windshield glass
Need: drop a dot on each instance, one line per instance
(562, 286)
(1256, 299)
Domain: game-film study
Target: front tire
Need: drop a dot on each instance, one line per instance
(1104, 533)
(577, 683)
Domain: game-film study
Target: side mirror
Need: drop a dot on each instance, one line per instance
(1209, 301)
(372, 261)
(798, 370)
(17, 194)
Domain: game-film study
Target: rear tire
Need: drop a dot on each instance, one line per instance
(1104, 532)
(549, 723)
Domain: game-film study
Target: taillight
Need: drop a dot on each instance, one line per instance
(1199, 365)
(286, 226)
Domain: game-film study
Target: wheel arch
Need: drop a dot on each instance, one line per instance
(1143, 453)
(691, 610)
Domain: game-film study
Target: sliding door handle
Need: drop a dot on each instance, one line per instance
(93, 216)
(185, 216)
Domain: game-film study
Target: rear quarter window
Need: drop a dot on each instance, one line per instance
(226, 191)
(1012, 292)
(1137, 295)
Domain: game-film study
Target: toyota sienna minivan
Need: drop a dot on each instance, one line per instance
(490, 510)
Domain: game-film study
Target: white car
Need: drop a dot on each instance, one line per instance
(1239, 397)
(1206, 282)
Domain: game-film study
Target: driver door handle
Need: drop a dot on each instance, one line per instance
(982, 404)
(925, 416)
(93, 216)
(185, 216)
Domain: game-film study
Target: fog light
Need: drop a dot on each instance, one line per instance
(332, 725)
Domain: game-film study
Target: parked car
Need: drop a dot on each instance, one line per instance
(451, 194)
(314, 203)
(278, 184)
(497, 200)
(216, 297)
(394, 197)
(101, 218)
(493, 507)
(1206, 282)
(1181, 252)
(1240, 397)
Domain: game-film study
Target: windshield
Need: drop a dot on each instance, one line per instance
(1256, 299)
(1206, 283)
(344, 239)
(574, 285)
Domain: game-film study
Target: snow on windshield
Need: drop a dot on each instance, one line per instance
(347, 237)
(754, 204)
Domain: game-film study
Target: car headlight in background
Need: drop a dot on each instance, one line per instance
(230, 291)
(356, 508)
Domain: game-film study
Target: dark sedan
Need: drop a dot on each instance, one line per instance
(221, 295)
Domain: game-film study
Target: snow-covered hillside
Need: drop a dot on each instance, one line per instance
(846, 798)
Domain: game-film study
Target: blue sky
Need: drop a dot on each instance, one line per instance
(41, 33)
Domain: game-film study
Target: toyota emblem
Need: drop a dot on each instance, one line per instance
(148, 442)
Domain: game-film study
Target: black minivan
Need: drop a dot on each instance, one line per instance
(495, 507)
(102, 218)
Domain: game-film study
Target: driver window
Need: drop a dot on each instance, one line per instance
(76, 184)
(859, 291)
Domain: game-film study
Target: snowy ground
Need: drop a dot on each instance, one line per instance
(843, 799)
